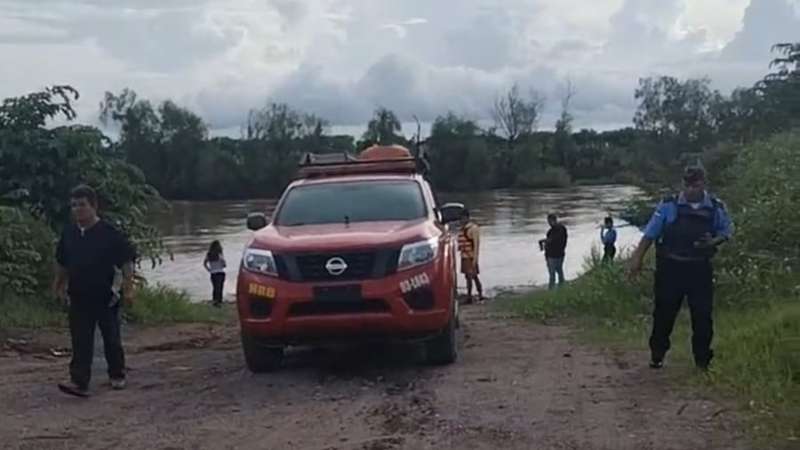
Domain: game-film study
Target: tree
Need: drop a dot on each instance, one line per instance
(39, 165)
(383, 128)
(458, 154)
(165, 142)
(780, 90)
(278, 122)
(564, 144)
(516, 116)
(182, 137)
(741, 117)
(679, 116)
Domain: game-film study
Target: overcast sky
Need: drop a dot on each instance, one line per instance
(342, 58)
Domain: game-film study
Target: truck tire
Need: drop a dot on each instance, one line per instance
(443, 349)
(260, 358)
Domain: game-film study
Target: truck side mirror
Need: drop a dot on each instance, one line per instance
(451, 212)
(256, 221)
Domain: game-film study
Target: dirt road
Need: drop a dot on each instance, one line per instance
(517, 386)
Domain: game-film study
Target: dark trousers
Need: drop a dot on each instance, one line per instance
(217, 284)
(555, 268)
(83, 319)
(675, 280)
(609, 251)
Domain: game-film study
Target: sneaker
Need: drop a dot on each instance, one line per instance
(656, 363)
(118, 384)
(72, 388)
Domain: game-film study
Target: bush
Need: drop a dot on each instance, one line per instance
(763, 198)
(26, 253)
(40, 164)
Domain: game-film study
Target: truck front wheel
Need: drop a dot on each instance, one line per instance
(260, 358)
(443, 349)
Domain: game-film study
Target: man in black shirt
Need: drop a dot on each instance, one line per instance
(554, 247)
(90, 254)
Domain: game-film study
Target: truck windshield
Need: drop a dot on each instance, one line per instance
(359, 201)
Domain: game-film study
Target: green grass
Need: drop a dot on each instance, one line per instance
(153, 305)
(157, 305)
(16, 312)
(757, 343)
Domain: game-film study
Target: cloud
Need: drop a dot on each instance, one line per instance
(415, 21)
(342, 58)
(411, 87)
(766, 22)
(401, 28)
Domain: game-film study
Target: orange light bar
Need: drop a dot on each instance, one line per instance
(373, 160)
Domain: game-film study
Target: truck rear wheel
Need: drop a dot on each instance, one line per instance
(260, 358)
(443, 349)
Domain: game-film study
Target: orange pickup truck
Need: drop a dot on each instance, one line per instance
(357, 249)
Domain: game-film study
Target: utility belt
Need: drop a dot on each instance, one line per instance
(686, 259)
(666, 260)
(684, 255)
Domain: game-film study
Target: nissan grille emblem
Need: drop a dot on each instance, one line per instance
(336, 266)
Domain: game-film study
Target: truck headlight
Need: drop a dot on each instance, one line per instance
(418, 253)
(260, 261)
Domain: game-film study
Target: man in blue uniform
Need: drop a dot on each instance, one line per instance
(687, 230)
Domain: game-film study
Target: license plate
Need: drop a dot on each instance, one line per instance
(339, 294)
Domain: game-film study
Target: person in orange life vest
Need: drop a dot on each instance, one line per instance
(469, 246)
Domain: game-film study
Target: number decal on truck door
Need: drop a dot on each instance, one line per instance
(414, 283)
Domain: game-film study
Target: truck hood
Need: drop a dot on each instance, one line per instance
(339, 237)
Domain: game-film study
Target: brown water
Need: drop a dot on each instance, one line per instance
(511, 222)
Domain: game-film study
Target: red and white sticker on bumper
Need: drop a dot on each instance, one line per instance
(415, 282)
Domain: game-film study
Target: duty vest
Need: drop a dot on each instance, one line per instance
(465, 243)
(690, 225)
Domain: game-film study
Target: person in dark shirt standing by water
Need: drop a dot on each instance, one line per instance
(89, 255)
(608, 235)
(554, 246)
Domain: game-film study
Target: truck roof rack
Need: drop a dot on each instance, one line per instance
(374, 160)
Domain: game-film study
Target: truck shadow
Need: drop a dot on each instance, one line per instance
(355, 359)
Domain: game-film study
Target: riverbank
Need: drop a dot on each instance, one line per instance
(757, 361)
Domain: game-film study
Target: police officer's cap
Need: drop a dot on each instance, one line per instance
(693, 174)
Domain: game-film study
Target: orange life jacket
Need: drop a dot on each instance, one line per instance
(465, 243)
